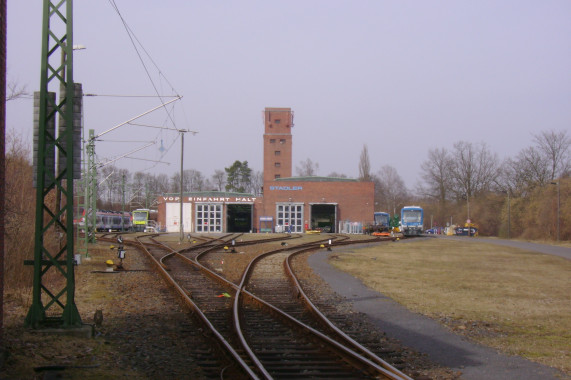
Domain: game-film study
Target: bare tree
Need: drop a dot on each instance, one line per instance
(18, 211)
(193, 180)
(390, 190)
(364, 165)
(307, 168)
(174, 183)
(159, 185)
(121, 181)
(105, 184)
(526, 171)
(555, 147)
(14, 91)
(256, 183)
(219, 179)
(474, 169)
(138, 187)
(341, 175)
(436, 174)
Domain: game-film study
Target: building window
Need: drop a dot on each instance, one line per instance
(272, 141)
(277, 121)
(282, 141)
(290, 216)
(278, 164)
(277, 176)
(278, 153)
(209, 218)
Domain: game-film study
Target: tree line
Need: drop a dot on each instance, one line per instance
(119, 188)
(516, 196)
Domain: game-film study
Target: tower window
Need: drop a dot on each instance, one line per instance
(277, 176)
(272, 141)
(278, 153)
(282, 141)
(278, 164)
(277, 121)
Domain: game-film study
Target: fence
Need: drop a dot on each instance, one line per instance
(349, 227)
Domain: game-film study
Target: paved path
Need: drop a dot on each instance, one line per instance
(542, 248)
(428, 336)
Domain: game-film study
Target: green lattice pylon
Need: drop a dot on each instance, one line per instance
(53, 304)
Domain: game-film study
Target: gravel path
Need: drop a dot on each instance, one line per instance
(428, 336)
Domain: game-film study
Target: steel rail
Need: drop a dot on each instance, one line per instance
(314, 309)
(164, 272)
(324, 338)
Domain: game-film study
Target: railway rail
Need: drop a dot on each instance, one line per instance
(265, 322)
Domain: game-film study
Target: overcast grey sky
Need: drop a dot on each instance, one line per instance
(402, 77)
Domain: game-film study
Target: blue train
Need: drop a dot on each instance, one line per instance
(382, 221)
(411, 221)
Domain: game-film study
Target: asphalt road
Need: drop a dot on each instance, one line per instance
(428, 336)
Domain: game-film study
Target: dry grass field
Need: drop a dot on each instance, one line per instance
(516, 301)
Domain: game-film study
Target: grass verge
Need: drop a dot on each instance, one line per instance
(514, 300)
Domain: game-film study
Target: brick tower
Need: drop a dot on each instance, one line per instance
(277, 143)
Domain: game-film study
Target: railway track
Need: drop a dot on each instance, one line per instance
(264, 323)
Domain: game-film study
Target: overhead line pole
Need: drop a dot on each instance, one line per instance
(181, 183)
(57, 308)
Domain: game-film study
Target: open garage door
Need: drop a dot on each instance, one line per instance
(324, 217)
(239, 218)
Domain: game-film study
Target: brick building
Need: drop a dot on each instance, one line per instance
(294, 204)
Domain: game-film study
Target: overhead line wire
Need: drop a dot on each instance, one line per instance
(134, 38)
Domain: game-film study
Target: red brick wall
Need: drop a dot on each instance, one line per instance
(162, 211)
(278, 131)
(356, 200)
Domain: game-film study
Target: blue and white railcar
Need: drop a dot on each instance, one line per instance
(411, 221)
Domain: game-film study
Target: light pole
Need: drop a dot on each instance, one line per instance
(182, 132)
(558, 205)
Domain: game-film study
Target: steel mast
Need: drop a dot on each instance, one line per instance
(53, 302)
